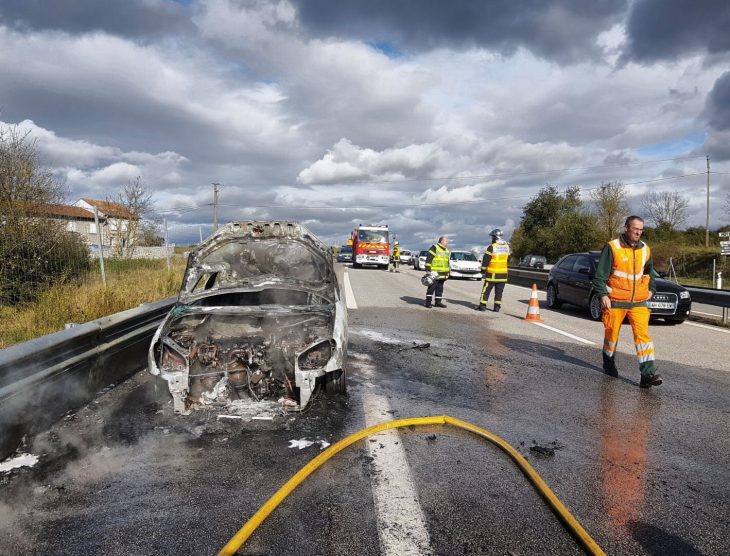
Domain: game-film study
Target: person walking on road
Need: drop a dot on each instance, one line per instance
(494, 270)
(624, 281)
(437, 261)
(395, 257)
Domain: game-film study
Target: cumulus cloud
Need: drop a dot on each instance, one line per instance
(347, 162)
(559, 30)
(337, 114)
(135, 18)
(718, 104)
(673, 29)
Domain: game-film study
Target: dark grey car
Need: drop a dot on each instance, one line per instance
(569, 281)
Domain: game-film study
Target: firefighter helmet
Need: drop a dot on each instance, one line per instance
(496, 234)
(429, 278)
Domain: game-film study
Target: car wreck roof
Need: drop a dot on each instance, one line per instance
(254, 254)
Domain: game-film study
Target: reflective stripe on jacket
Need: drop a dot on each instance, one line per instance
(437, 260)
(494, 262)
(627, 281)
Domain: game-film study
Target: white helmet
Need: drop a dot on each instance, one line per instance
(429, 278)
(496, 233)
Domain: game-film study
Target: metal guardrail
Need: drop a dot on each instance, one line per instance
(708, 296)
(42, 379)
(527, 277)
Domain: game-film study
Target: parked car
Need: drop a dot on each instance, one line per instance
(345, 254)
(464, 264)
(419, 262)
(259, 317)
(533, 261)
(405, 256)
(569, 281)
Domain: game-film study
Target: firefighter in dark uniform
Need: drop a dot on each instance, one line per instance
(494, 269)
(437, 261)
(395, 257)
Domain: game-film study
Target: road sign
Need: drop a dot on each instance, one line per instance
(723, 234)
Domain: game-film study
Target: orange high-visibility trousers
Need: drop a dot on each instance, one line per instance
(639, 320)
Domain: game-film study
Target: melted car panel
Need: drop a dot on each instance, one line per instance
(259, 318)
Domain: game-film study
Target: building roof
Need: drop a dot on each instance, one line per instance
(112, 210)
(66, 210)
(63, 211)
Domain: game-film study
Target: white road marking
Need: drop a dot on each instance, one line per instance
(349, 295)
(568, 334)
(715, 328)
(706, 314)
(401, 523)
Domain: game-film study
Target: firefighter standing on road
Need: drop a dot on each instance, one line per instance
(437, 261)
(395, 257)
(494, 269)
(624, 281)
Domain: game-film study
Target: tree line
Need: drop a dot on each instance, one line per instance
(554, 223)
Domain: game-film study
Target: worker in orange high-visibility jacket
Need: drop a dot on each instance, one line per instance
(494, 270)
(624, 280)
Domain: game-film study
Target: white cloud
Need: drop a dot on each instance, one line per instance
(295, 123)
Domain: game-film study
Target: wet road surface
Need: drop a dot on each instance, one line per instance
(644, 471)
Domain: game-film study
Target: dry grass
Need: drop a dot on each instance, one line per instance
(129, 283)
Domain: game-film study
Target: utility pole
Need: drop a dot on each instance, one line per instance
(707, 220)
(101, 246)
(215, 205)
(167, 247)
(200, 231)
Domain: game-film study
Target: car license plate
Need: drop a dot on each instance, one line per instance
(660, 305)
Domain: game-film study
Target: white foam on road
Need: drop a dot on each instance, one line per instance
(401, 523)
(375, 336)
(21, 460)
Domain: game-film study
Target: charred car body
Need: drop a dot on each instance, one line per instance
(259, 316)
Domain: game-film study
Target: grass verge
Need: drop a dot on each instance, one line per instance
(129, 283)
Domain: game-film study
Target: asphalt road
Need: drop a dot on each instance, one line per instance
(644, 471)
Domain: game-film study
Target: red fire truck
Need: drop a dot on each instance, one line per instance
(371, 245)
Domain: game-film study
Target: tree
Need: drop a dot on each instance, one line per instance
(36, 251)
(149, 234)
(128, 225)
(553, 225)
(668, 211)
(611, 207)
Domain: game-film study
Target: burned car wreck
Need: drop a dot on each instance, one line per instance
(259, 317)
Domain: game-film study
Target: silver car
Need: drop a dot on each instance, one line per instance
(259, 317)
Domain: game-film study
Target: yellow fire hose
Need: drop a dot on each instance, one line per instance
(571, 524)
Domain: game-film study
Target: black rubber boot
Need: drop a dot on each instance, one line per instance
(440, 303)
(609, 366)
(482, 308)
(428, 303)
(647, 381)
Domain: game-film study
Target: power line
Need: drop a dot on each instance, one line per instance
(192, 208)
(471, 201)
(485, 176)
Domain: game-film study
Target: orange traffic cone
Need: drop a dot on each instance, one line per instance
(533, 309)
